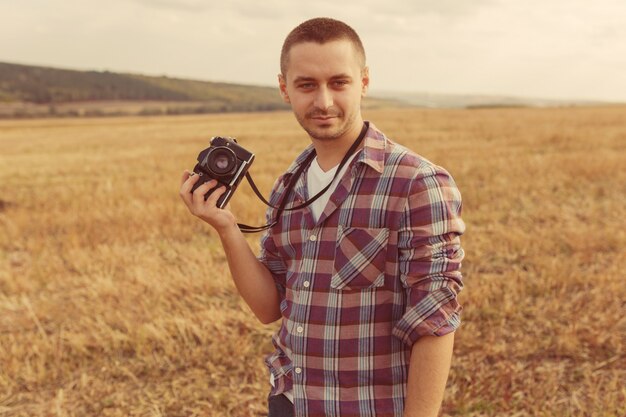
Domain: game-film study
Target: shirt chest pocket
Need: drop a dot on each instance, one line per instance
(360, 257)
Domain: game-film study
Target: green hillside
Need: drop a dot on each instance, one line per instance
(50, 86)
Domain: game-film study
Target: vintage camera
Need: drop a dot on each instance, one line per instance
(225, 161)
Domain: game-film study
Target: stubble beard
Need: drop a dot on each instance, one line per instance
(322, 133)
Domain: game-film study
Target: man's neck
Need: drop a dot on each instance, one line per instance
(330, 152)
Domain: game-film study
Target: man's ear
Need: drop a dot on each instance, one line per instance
(282, 85)
(365, 80)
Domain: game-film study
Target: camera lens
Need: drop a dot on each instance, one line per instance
(221, 161)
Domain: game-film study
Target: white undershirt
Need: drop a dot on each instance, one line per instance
(316, 180)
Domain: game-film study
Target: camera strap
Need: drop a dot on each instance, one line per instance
(292, 182)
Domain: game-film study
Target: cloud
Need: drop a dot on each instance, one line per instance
(368, 8)
(177, 5)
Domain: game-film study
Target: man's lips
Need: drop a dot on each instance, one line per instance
(323, 117)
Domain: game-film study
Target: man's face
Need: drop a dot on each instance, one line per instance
(324, 84)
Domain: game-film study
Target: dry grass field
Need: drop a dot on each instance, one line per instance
(114, 301)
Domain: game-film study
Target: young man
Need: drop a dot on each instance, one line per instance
(365, 278)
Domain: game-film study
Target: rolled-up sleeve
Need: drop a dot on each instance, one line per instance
(430, 256)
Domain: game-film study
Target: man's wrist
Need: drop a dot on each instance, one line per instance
(228, 232)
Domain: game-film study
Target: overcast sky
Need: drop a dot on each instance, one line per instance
(562, 49)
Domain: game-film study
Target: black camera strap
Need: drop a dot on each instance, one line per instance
(292, 182)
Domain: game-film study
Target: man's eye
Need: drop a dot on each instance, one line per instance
(306, 86)
(341, 83)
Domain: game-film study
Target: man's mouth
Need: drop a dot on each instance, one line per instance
(323, 117)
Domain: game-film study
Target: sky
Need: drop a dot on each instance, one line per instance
(552, 49)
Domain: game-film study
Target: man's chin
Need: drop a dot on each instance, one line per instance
(324, 131)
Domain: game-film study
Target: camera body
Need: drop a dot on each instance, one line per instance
(225, 161)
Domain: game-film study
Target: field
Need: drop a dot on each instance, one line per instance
(115, 301)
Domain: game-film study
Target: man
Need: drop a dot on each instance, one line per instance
(365, 282)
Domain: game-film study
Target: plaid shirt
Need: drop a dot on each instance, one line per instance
(378, 270)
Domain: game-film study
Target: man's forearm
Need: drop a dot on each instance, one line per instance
(252, 279)
(428, 373)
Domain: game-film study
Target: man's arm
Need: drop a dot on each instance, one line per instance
(428, 373)
(252, 279)
(430, 256)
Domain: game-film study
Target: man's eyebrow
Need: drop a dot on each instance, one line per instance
(302, 78)
(340, 76)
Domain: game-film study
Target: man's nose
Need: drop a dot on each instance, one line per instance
(323, 99)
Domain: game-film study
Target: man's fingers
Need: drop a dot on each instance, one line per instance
(204, 188)
(185, 177)
(200, 192)
(187, 181)
(215, 195)
(185, 187)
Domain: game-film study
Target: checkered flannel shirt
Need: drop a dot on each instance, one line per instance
(378, 270)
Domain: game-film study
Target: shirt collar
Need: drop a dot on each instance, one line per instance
(373, 151)
(374, 145)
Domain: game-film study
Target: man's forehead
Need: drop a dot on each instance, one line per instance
(332, 59)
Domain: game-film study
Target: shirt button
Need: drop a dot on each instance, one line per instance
(306, 284)
(298, 370)
(300, 329)
(312, 238)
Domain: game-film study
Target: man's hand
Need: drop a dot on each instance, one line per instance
(220, 219)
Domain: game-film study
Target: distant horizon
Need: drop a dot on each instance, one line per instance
(372, 91)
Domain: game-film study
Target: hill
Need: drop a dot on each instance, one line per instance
(27, 90)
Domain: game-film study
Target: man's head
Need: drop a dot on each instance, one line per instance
(320, 30)
(323, 76)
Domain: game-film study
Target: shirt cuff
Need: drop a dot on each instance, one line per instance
(436, 314)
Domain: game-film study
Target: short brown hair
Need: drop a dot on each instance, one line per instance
(320, 30)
